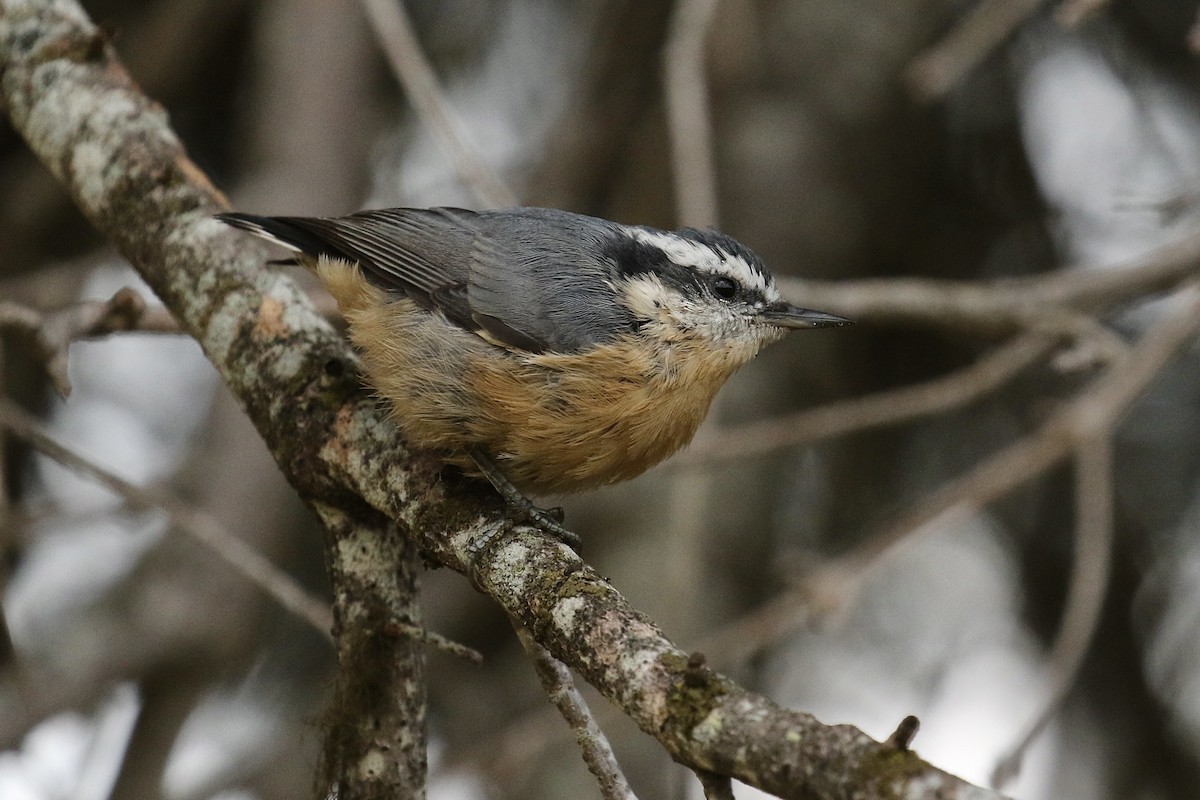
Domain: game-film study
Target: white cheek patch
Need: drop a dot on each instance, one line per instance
(687, 253)
(645, 295)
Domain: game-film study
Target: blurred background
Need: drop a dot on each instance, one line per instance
(140, 665)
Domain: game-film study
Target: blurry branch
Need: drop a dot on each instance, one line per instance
(8, 548)
(597, 752)
(1087, 589)
(932, 74)
(1071, 13)
(688, 116)
(1005, 305)
(1090, 416)
(243, 560)
(617, 82)
(689, 126)
(53, 332)
(1075, 427)
(412, 68)
(889, 407)
(295, 377)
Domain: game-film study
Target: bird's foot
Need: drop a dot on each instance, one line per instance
(523, 509)
(549, 520)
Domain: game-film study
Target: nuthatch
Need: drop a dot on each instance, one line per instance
(548, 351)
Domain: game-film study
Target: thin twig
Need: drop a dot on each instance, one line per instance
(202, 527)
(1091, 414)
(434, 640)
(597, 752)
(872, 411)
(932, 74)
(688, 116)
(1004, 305)
(205, 529)
(1087, 589)
(413, 70)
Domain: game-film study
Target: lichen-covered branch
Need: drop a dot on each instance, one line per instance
(113, 150)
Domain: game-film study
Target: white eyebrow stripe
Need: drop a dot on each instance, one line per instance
(687, 253)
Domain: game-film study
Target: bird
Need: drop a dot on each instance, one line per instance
(547, 351)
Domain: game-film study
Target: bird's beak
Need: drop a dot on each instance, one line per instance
(785, 315)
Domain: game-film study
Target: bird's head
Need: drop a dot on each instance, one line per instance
(705, 287)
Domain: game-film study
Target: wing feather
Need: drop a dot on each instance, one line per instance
(528, 279)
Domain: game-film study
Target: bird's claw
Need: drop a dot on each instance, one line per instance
(550, 520)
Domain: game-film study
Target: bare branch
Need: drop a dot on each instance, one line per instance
(412, 69)
(244, 560)
(1087, 417)
(1083, 419)
(935, 72)
(1006, 305)
(689, 122)
(597, 752)
(1085, 598)
(53, 333)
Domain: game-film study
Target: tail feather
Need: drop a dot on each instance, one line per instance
(282, 231)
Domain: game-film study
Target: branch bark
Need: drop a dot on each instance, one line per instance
(114, 151)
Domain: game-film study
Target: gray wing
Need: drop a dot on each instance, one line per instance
(420, 253)
(541, 280)
(530, 278)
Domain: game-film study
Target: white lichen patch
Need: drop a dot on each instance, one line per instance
(709, 729)
(512, 561)
(372, 764)
(564, 613)
(290, 361)
(357, 554)
(225, 326)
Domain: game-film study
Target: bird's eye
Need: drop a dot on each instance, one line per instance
(726, 288)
